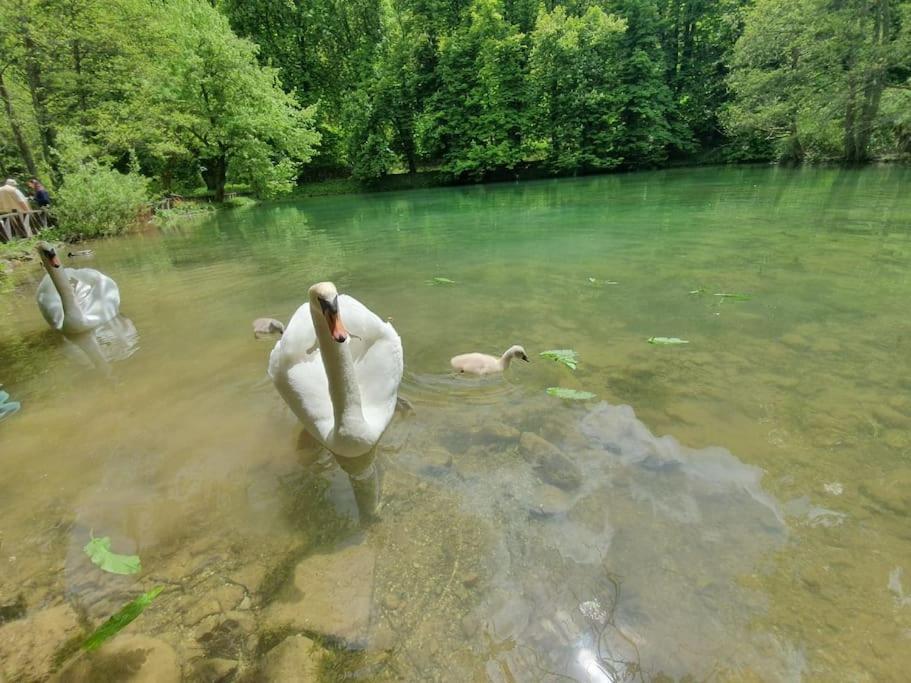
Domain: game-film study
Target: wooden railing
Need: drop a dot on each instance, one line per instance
(19, 224)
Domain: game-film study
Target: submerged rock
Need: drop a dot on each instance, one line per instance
(551, 465)
(126, 659)
(296, 659)
(332, 594)
(28, 646)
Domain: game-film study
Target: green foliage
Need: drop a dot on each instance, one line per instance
(239, 202)
(117, 622)
(476, 119)
(225, 109)
(568, 357)
(811, 75)
(100, 553)
(269, 92)
(575, 82)
(96, 200)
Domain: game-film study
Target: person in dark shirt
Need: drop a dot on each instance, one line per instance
(39, 193)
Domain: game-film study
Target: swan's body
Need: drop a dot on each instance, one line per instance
(483, 364)
(342, 388)
(75, 300)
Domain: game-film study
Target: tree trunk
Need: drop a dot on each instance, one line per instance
(874, 84)
(36, 88)
(24, 150)
(850, 141)
(215, 175)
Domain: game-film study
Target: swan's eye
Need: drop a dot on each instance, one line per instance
(329, 306)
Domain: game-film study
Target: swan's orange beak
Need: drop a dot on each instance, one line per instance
(336, 328)
(55, 260)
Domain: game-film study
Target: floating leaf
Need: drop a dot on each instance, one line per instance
(7, 407)
(734, 296)
(121, 619)
(666, 341)
(701, 290)
(570, 394)
(568, 357)
(596, 281)
(441, 281)
(99, 551)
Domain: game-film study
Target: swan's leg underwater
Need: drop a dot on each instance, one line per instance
(366, 482)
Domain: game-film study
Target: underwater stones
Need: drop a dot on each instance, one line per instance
(892, 493)
(890, 417)
(28, 646)
(436, 461)
(214, 670)
(296, 659)
(227, 638)
(548, 500)
(549, 462)
(126, 659)
(10, 610)
(497, 432)
(795, 341)
(332, 595)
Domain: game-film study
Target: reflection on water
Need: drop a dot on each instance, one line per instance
(113, 341)
(511, 535)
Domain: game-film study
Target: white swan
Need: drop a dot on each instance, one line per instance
(75, 300)
(342, 386)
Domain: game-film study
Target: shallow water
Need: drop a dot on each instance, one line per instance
(520, 537)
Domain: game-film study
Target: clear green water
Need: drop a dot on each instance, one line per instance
(770, 539)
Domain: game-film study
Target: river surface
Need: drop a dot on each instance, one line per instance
(737, 508)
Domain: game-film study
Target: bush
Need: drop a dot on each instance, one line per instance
(95, 200)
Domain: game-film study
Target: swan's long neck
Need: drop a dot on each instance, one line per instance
(504, 360)
(343, 388)
(65, 290)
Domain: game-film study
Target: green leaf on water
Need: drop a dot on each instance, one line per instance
(701, 290)
(568, 357)
(596, 281)
(441, 281)
(118, 621)
(734, 296)
(570, 394)
(99, 551)
(667, 341)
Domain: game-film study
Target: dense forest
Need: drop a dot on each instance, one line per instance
(137, 96)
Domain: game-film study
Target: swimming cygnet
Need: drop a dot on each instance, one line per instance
(85, 253)
(482, 364)
(263, 327)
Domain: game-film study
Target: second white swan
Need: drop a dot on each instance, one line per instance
(341, 385)
(75, 300)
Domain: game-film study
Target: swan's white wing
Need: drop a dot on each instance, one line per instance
(376, 350)
(297, 371)
(49, 303)
(97, 295)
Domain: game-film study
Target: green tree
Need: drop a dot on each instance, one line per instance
(225, 109)
(575, 71)
(810, 74)
(383, 113)
(476, 119)
(697, 36)
(648, 104)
